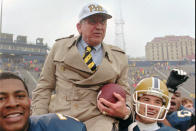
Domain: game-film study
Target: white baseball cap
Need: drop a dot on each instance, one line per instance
(91, 9)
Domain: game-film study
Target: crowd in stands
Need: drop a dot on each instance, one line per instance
(16, 64)
(138, 70)
(136, 73)
(142, 69)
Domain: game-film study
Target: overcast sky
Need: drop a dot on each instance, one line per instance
(144, 20)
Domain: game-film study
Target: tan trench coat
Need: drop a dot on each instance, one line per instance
(76, 86)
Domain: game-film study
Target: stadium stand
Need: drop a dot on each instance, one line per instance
(27, 59)
(161, 69)
(30, 71)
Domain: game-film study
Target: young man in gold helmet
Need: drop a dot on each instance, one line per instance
(151, 102)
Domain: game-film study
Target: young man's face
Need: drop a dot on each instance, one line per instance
(93, 29)
(175, 102)
(152, 112)
(189, 105)
(14, 105)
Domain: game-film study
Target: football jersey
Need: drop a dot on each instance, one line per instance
(130, 125)
(55, 122)
(180, 119)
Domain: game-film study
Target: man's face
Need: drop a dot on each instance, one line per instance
(152, 112)
(14, 105)
(93, 29)
(175, 102)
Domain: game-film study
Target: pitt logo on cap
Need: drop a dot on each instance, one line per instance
(95, 8)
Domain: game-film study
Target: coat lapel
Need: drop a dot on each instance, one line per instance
(104, 73)
(73, 57)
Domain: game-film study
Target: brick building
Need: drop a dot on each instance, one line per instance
(172, 48)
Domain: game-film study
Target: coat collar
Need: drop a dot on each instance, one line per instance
(73, 41)
(107, 51)
(105, 70)
(73, 57)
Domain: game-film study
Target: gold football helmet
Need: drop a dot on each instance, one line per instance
(155, 87)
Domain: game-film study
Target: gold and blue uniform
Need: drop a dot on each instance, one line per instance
(55, 122)
(180, 119)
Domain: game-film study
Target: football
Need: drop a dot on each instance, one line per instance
(107, 91)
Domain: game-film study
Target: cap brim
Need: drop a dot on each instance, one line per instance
(104, 14)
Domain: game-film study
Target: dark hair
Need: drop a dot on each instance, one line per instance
(10, 75)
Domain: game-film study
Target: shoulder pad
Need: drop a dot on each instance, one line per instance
(65, 37)
(115, 48)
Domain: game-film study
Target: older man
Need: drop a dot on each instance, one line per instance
(77, 67)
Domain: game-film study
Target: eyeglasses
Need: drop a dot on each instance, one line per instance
(96, 20)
